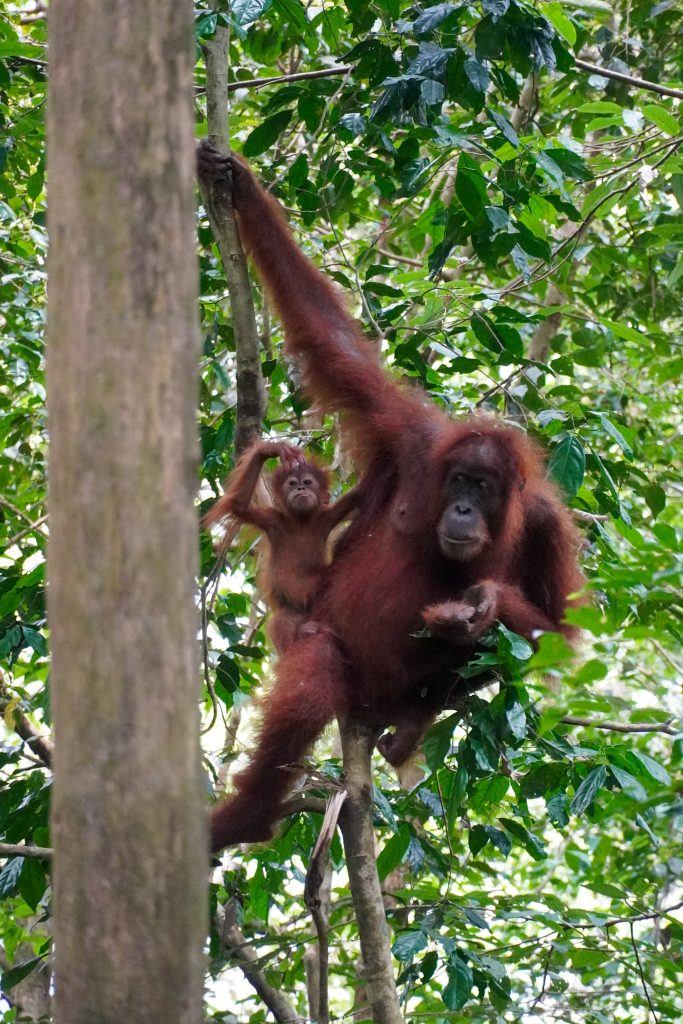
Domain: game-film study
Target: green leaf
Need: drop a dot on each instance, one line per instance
(655, 496)
(14, 975)
(480, 835)
(354, 123)
(489, 792)
(617, 436)
(531, 844)
(460, 981)
(655, 770)
(9, 876)
(662, 118)
(588, 790)
(506, 128)
(628, 783)
(432, 92)
(567, 464)
(244, 12)
(408, 944)
(477, 74)
(558, 809)
(437, 742)
(543, 778)
(32, 882)
(599, 107)
(432, 18)
(266, 134)
(393, 853)
(475, 918)
(554, 13)
(470, 187)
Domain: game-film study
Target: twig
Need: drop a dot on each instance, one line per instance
(315, 877)
(239, 951)
(620, 76)
(592, 723)
(641, 972)
(298, 76)
(17, 511)
(588, 517)
(546, 968)
(217, 198)
(358, 741)
(33, 528)
(30, 852)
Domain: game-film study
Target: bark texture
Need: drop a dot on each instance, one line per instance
(355, 819)
(128, 830)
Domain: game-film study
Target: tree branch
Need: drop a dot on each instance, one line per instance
(217, 199)
(358, 741)
(30, 852)
(316, 898)
(245, 957)
(591, 723)
(298, 76)
(620, 76)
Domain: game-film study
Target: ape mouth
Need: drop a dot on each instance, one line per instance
(460, 548)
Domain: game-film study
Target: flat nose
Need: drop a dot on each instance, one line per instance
(462, 509)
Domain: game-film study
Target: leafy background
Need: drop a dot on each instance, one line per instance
(510, 225)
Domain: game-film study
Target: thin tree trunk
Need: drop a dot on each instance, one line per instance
(355, 819)
(217, 199)
(130, 850)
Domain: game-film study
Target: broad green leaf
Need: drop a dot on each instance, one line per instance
(13, 975)
(567, 464)
(617, 436)
(470, 186)
(244, 12)
(407, 944)
(662, 118)
(432, 18)
(267, 133)
(460, 981)
(554, 13)
(655, 770)
(628, 783)
(393, 852)
(588, 790)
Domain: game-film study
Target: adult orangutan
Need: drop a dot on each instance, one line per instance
(458, 527)
(297, 529)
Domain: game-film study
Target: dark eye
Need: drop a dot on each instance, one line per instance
(458, 478)
(482, 485)
(308, 482)
(292, 482)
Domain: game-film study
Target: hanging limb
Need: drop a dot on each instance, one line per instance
(217, 199)
(358, 741)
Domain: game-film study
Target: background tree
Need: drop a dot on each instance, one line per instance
(127, 810)
(509, 223)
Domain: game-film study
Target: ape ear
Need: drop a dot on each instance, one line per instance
(521, 481)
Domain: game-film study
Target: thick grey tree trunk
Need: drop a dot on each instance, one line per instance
(128, 813)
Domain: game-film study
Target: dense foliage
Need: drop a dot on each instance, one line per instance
(510, 225)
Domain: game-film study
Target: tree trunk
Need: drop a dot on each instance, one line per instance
(128, 826)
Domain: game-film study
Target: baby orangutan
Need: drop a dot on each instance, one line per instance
(297, 528)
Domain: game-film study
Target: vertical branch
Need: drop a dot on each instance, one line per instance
(217, 199)
(358, 741)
